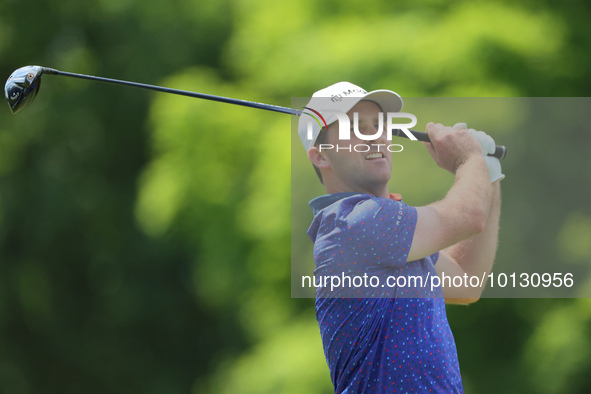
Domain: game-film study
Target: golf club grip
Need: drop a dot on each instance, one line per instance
(500, 150)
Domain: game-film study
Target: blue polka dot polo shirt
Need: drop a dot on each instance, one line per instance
(378, 338)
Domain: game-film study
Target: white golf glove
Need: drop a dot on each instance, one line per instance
(488, 146)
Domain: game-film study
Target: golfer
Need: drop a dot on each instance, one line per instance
(381, 334)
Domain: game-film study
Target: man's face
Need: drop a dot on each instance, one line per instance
(363, 172)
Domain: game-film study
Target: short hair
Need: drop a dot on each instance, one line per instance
(321, 139)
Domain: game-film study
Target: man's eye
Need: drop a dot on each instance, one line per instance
(364, 130)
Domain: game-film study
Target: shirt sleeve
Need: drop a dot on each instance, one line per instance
(378, 231)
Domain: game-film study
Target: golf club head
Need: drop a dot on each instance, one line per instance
(22, 86)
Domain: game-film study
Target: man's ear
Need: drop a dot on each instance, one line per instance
(318, 158)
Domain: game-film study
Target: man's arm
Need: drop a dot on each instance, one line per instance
(464, 211)
(472, 257)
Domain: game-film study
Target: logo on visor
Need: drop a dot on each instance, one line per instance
(316, 119)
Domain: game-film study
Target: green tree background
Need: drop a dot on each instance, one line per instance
(145, 238)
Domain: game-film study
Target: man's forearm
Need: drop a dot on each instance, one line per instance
(467, 203)
(457, 217)
(476, 254)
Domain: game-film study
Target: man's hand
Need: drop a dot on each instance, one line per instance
(450, 147)
(488, 146)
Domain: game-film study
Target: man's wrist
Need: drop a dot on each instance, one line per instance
(472, 159)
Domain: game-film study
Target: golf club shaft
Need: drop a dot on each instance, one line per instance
(500, 151)
(187, 93)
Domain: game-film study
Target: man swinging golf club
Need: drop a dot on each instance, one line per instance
(383, 338)
(390, 335)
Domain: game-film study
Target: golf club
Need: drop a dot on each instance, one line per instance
(23, 85)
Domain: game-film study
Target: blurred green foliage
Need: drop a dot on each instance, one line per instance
(145, 238)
